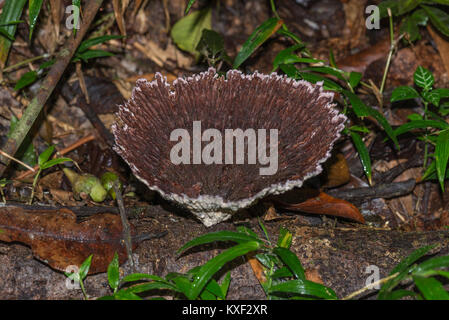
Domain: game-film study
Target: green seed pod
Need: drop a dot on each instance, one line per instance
(83, 184)
(107, 180)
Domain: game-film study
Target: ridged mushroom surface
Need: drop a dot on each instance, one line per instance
(306, 121)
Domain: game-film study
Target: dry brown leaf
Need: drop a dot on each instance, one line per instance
(337, 171)
(57, 239)
(324, 204)
(56, 14)
(257, 267)
(443, 47)
(119, 10)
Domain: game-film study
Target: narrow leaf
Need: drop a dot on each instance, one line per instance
(442, 156)
(256, 39)
(291, 261)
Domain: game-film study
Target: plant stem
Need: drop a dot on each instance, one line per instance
(390, 53)
(63, 59)
(426, 145)
(24, 62)
(83, 289)
(370, 286)
(36, 178)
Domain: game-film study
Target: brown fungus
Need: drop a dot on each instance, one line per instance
(306, 121)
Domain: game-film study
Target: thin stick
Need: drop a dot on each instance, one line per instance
(125, 224)
(17, 160)
(63, 59)
(370, 286)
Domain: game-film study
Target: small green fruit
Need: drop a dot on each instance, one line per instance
(107, 180)
(86, 183)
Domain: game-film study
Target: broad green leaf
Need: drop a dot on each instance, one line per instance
(354, 78)
(363, 153)
(285, 238)
(34, 9)
(45, 155)
(211, 42)
(291, 261)
(432, 97)
(431, 288)
(11, 11)
(186, 33)
(304, 287)
(420, 124)
(423, 78)
(54, 162)
(114, 273)
(403, 93)
(219, 236)
(362, 110)
(392, 4)
(439, 19)
(256, 39)
(421, 17)
(189, 5)
(25, 80)
(405, 6)
(442, 155)
(85, 266)
(266, 259)
(215, 264)
(442, 92)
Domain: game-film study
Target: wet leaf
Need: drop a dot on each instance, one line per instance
(325, 204)
(34, 9)
(56, 238)
(256, 39)
(186, 33)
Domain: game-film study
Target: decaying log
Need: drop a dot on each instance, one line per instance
(339, 255)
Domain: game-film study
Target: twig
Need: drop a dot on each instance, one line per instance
(61, 153)
(125, 224)
(63, 59)
(386, 191)
(370, 286)
(16, 160)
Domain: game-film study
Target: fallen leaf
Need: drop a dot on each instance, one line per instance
(56, 238)
(337, 171)
(323, 204)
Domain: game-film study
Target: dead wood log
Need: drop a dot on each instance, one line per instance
(340, 256)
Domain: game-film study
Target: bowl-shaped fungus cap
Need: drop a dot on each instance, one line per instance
(215, 144)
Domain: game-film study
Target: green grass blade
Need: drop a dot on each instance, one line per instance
(215, 264)
(34, 7)
(442, 156)
(12, 10)
(291, 261)
(256, 39)
(219, 236)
